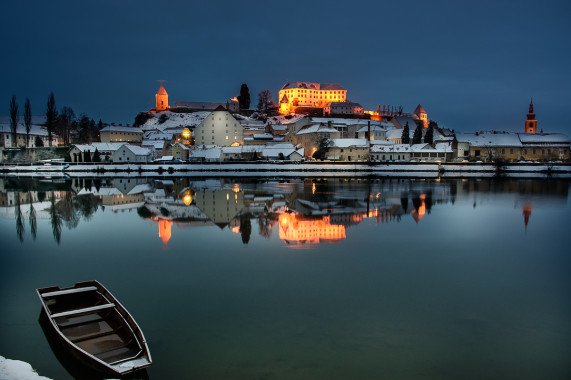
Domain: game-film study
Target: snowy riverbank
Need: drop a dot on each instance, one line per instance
(18, 370)
(286, 169)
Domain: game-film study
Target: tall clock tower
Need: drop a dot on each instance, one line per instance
(531, 123)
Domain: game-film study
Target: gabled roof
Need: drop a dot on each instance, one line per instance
(220, 108)
(162, 91)
(284, 99)
(418, 110)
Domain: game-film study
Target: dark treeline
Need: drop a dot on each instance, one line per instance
(65, 123)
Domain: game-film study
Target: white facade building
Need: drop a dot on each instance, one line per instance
(219, 128)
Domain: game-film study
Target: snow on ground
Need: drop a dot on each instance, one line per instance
(18, 370)
(175, 120)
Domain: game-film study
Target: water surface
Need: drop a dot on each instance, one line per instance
(302, 279)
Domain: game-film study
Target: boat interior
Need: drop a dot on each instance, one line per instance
(90, 321)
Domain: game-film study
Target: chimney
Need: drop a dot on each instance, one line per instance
(369, 130)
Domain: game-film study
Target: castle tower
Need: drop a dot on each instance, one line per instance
(422, 115)
(531, 123)
(162, 99)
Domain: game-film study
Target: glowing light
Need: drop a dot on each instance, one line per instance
(236, 188)
(186, 133)
(235, 144)
(187, 197)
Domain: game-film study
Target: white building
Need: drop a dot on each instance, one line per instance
(37, 133)
(390, 152)
(219, 128)
(132, 154)
(106, 150)
(377, 133)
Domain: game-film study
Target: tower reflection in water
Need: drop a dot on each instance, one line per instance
(307, 212)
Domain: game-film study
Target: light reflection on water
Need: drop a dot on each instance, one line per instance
(398, 278)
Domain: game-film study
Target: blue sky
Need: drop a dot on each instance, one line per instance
(472, 65)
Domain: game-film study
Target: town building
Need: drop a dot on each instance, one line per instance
(425, 152)
(106, 150)
(132, 154)
(373, 132)
(306, 94)
(219, 128)
(421, 114)
(161, 99)
(38, 136)
(115, 133)
(390, 152)
(348, 150)
(343, 108)
(310, 136)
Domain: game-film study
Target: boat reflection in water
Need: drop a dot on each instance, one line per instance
(71, 364)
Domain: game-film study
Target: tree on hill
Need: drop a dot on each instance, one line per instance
(244, 97)
(28, 119)
(38, 142)
(14, 116)
(51, 117)
(265, 100)
(405, 138)
(142, 118)
(429, 136)
(417, 137)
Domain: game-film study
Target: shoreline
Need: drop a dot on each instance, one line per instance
(322, 169)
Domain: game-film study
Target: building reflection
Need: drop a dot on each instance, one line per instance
(302, 212)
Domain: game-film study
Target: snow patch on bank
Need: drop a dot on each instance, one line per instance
(18, 370)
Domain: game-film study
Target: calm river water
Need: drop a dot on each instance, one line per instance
(302, 279)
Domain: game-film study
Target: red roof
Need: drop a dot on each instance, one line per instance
(162, 91)
(419, 110)
(220, 108)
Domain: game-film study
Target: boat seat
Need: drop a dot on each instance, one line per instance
(85, 310)
(69, 291)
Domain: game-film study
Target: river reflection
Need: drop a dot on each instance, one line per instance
(305, 212)
(279, 279)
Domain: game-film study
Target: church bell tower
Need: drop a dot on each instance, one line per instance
(531, 123)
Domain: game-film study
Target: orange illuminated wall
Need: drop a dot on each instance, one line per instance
(309, 96)
(162, 99)
(295, 228)
(417, 215)
(165, 230)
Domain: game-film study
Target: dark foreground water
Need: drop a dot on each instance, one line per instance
(303, 279)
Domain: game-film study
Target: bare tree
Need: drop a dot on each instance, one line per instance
(28, 120)
(14, 116)
(265, 100)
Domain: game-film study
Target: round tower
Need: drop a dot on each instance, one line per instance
(162, 99)
(531, 123)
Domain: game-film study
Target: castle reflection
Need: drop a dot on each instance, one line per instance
(303, 212)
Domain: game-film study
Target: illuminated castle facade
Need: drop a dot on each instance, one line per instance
(162, 99)
(306, 94)
(531, 122)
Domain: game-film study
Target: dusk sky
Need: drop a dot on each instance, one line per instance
(472, 65)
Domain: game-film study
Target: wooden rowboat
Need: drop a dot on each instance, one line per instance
(96, 328)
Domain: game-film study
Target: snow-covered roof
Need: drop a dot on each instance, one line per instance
(174, 120)
(232, 149)
(35, 130)
(313, 86)
(316, 128)
(346, 143)
(402, 120)
(344, 104)
(180, 146)
(425, 147)
(543, 138)
(117, 128)
(373, 128)
(159, 136)
(286, 149)
(101, 147)
(212, 153)
(394, 134)
(137, 150)
(489, 139)
(156, 144)
(278, 127)
(345, 121)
